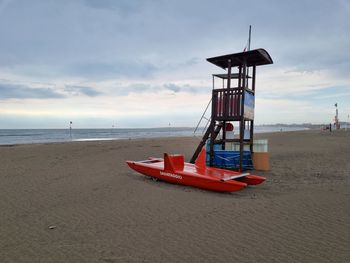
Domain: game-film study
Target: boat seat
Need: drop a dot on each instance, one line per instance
(174, 162)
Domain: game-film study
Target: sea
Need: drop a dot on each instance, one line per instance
(30, 136)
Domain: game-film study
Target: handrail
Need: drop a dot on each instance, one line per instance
(206, 125)
(203, 117)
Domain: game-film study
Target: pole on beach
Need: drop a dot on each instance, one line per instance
(336, 119)
(70, 130)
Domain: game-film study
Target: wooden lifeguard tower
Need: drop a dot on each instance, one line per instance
(233, 103)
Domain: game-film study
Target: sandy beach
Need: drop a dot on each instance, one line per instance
(79, 202)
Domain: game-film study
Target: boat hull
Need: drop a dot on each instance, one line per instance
(173, 169)
(186, 178)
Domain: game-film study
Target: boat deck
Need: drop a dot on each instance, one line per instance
(193, 170)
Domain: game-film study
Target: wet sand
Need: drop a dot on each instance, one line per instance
(79, 202)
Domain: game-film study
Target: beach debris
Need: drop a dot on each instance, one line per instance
(52, 227)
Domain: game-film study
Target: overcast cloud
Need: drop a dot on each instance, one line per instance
(103, 52)
(9, 91)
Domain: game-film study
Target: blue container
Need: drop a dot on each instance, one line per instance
(217, 147)
(228, 159)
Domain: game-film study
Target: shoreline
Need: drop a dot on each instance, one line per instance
(135, 138)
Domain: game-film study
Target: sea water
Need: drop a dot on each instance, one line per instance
(27, 136)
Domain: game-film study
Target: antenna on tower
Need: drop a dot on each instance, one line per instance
(247, 48)
(250, 35)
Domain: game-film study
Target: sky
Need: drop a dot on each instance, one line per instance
(104, 63)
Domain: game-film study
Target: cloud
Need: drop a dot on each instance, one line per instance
(3, 4)
(149, 87)
(124, 6)
(192, 89)
(78, 90)
(77, 39)
(11, 91)
(172, 87)
(87, 48)
(116, 69)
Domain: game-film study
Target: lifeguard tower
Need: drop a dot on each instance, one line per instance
(233, 104)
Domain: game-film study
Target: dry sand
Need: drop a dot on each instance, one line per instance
(79, 202)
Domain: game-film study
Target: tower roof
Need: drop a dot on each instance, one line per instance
(256, 57)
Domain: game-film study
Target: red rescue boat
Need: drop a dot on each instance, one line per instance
(173, 169)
